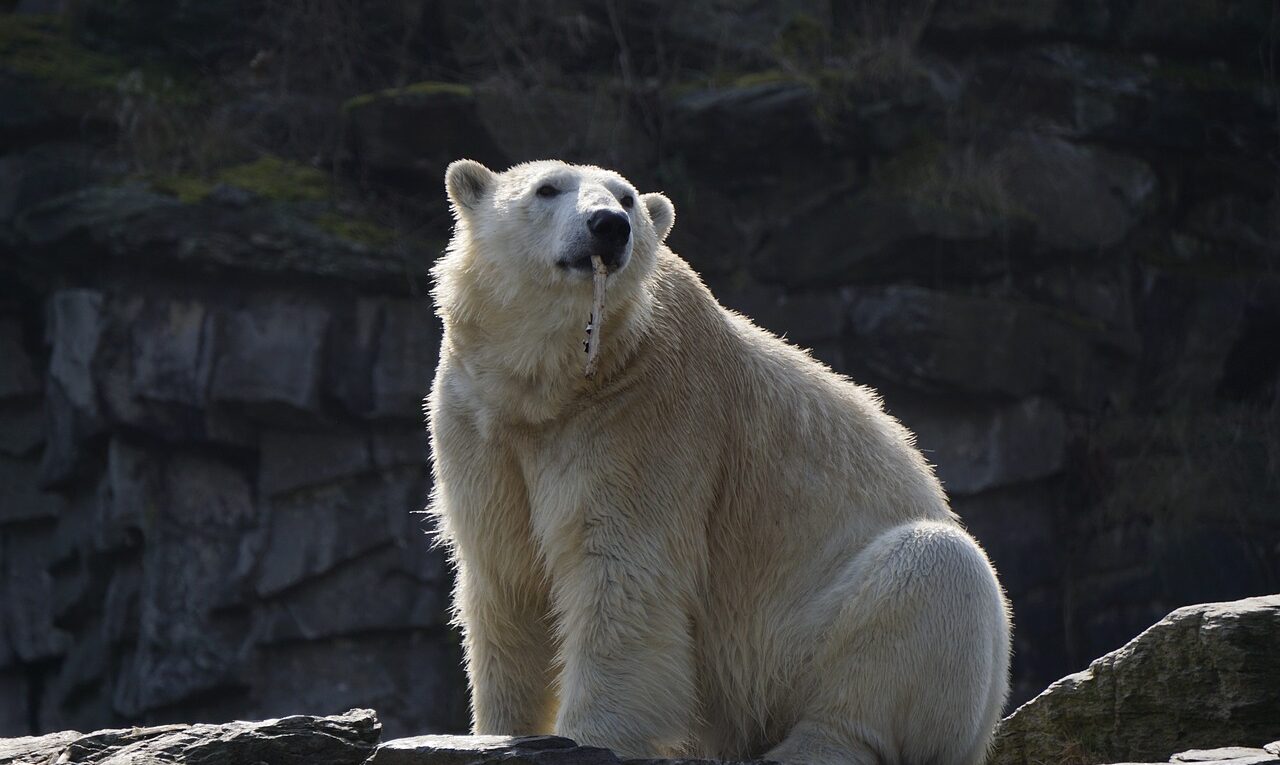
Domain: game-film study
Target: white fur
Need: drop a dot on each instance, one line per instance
(717, 547)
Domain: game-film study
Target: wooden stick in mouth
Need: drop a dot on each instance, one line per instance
(596, 324)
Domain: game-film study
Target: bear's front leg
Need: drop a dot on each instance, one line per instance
(623, 598)
(501, 601)
(509, 655)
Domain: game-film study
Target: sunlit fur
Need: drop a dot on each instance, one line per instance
(718, 547)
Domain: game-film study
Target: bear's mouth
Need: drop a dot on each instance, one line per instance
(582, 264)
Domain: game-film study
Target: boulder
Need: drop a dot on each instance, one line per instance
(806, 320)
(1080, 198)
(976, 447)
(720, 130)
(986, 345)
(406, 136)
(926, 210)
(1203, 677)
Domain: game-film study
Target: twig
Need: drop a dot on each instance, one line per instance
(596, 325)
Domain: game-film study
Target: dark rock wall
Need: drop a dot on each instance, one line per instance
(1048, 232)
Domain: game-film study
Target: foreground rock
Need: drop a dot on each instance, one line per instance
(352, 738)
(1197, 687)
(1203, 677)
(346, 739)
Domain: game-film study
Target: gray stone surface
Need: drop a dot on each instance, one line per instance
(433, 125)
(44, 172)
(22, 428)
(980, 447)
(805, 320)
(76, 323)
(293, 460)
(935, 340)
(172, 349)
(271, 358)
(1080, 198)
(722, 128)
(27, 590)
(413, 679)
(17, 375)
(14, 695)
(21, 499)
(1203, 677)
(311, 532)
(368, 594)
(194, 562)
(947, 222)
(408, 347)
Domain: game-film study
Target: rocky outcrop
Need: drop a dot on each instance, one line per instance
(1202, 678)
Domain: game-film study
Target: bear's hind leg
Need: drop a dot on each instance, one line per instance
(913, 664)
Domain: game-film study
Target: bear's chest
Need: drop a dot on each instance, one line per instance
(564, 471)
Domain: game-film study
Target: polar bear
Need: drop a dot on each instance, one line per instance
(716, 546)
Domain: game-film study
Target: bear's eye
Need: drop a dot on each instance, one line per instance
(547, 191)
(628, 201)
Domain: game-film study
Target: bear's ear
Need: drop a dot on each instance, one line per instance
(466, 181)
(661, 211)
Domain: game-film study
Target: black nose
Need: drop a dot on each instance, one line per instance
(609, 226)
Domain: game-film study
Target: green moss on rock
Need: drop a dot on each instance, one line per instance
(274, 178)
(357, 230)
(427, 88)
(41, 47)
(269, 177)
(186, 188)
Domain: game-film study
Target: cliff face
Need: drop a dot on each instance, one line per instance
(1047, 232)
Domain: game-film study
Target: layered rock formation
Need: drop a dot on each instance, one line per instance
(1046, 231)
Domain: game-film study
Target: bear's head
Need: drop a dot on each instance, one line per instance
(543, 221)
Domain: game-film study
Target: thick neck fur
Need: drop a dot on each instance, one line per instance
(516, 348)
